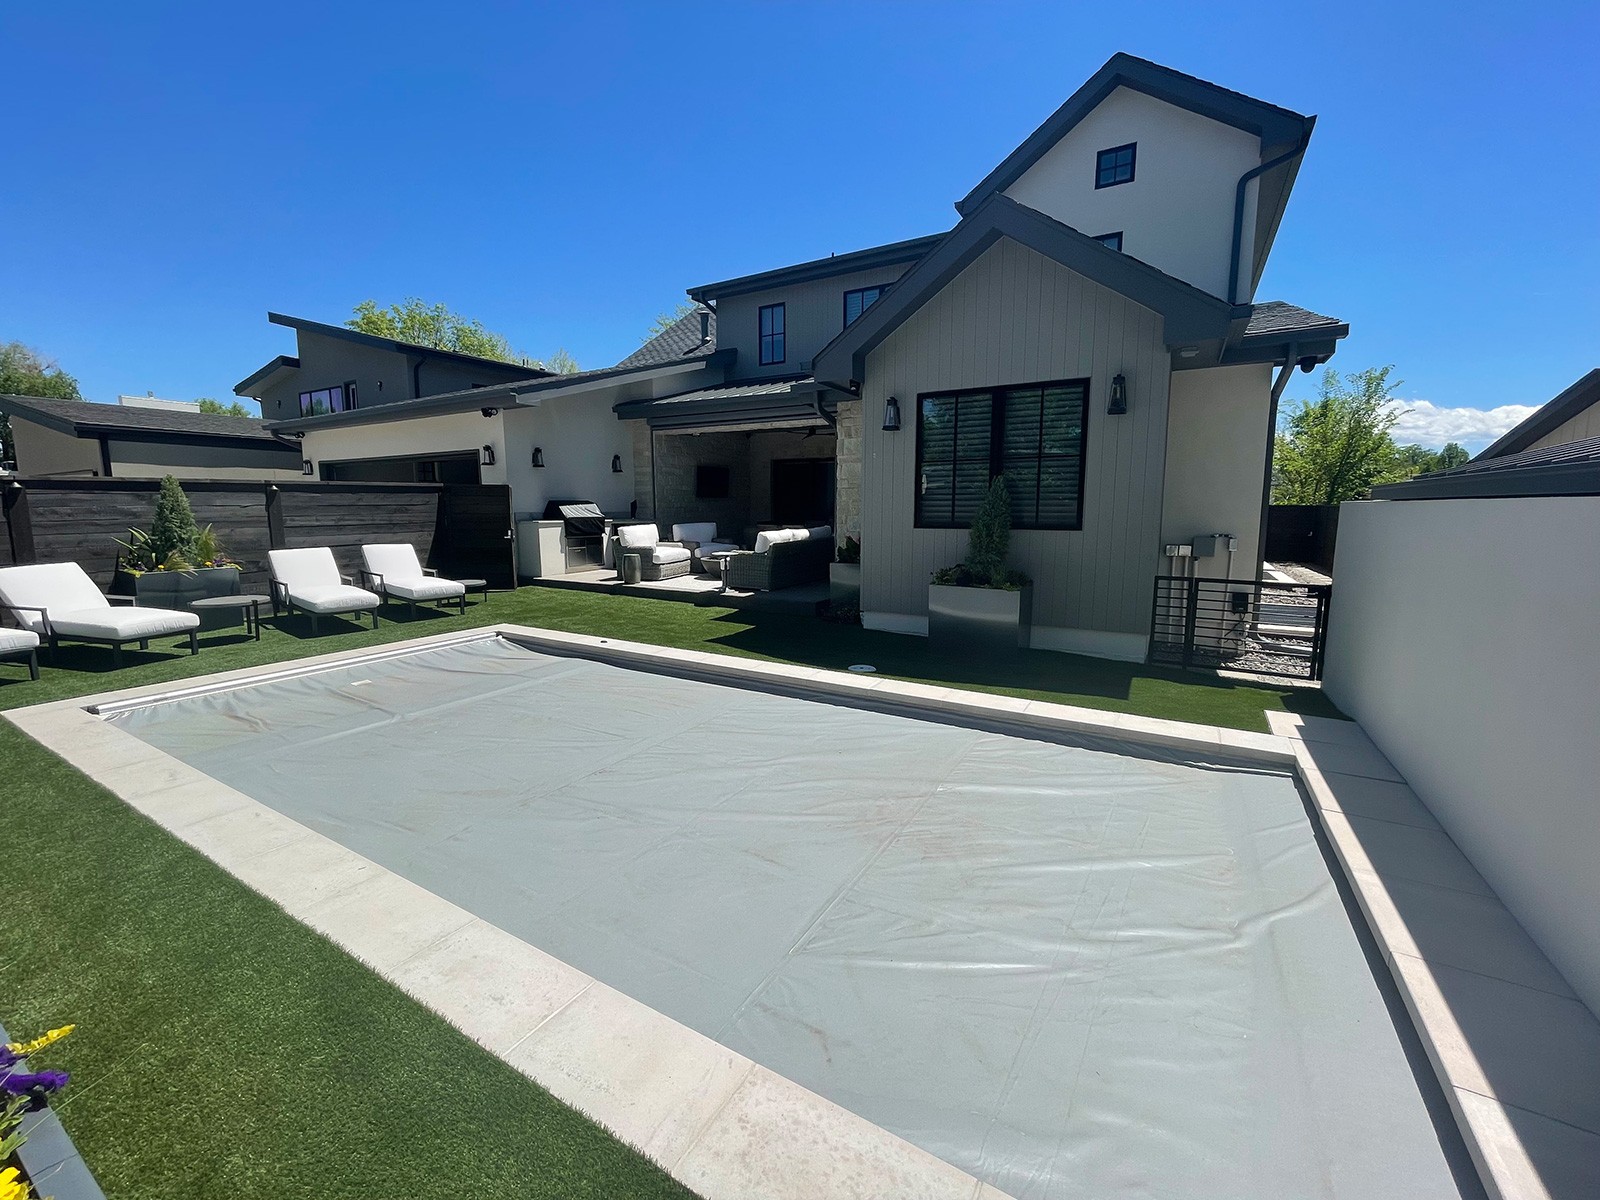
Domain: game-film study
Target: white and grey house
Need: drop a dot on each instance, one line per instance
(1088, 327)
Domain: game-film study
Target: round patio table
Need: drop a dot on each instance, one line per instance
(251, 606)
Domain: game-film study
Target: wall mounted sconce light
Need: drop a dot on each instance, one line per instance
(891, 415)
(490, 412)
(616, 464)
(1118, 405)
(486, 457)
(538, 457)
(306, 468)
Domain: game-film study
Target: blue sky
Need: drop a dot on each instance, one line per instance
(564, 172)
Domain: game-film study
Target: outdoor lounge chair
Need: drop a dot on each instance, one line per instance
(700, 539)
(657, 559)
(23, 644)
(392, 570)
(59, 602)
(309, 579)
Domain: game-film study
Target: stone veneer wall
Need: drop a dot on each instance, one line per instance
(643, 465)
(848, 465)
(676, 456)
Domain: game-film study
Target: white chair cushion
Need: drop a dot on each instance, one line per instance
(54, 586)
(661, 555)
(395, 561)
(309, 567)
(695, 531)
(14, 640)
(424, 588)
(821, 531)
(638, 537)
(775, 536)
(706, 548)
(122, 624)
(335, 598)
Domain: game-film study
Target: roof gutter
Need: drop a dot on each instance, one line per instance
(1238, 208)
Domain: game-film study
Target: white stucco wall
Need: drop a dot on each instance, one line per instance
(1465, 637)
(578, 435)
(1177, 214)
(1216, 458)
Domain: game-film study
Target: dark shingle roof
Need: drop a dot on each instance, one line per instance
(83, 416)
(1274, 318)
(1550, 417)
(1572, 469)
(676, 342)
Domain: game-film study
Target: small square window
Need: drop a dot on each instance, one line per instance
(1114, 166)
(859, 300)
(770, 332)
(1111, 241)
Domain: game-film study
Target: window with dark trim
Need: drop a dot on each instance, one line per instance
(859, 300)
(1034, 435)
(1115, 165)
(1112, 241)
(770, 329)
(328, 400)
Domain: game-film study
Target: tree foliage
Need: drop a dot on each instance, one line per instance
(435, 326)
(665, 321)
(26, 372)
(562, 363)
(1336, 447)
(173, 530)
(218, 408)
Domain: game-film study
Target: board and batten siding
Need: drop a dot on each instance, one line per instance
(1016, 317)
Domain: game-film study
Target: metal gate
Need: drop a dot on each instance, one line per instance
(1240, 625)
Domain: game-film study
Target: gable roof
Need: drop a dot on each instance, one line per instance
(510, 370)
(677, 341)
(1191, 314)
(84, 418)
(1280, 130)
(1572, 469)
(892, 254)
(1580, 396)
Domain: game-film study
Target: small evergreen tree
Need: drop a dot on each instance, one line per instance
(173, 531)
(990, 540)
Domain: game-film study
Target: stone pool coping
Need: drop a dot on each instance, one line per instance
(718, 1122)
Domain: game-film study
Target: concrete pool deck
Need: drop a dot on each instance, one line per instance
(719, 1122)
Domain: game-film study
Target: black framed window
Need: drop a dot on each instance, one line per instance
(1112, 241)
(328, 400)
(1034, 435)
(1115, 165)
(770, 322)
(859, 300)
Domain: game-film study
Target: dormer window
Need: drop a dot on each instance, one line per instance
(1114, 166)
(1111, 241)
(770, 333)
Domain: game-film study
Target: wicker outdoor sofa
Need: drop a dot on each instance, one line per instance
(783, 558)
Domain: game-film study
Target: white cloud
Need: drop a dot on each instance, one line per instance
(1428, 424)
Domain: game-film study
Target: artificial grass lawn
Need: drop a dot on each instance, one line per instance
(224, 1049)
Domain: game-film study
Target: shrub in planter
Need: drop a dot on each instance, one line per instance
(980, 604)
(176, 562)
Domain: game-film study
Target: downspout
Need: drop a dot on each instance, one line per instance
(1278, 384)
(416, 376)
(1238, 209)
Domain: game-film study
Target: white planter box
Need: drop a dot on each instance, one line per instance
(844, 583)
(970, 620)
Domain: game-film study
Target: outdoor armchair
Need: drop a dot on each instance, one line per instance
(657, 559)
(59, 602)
(700, 539)
(392, 569)
(309, 579)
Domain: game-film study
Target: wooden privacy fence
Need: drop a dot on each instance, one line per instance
(1303, 533)
(462, 530)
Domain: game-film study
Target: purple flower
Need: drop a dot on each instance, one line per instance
(24, 1083)
(8, 1056)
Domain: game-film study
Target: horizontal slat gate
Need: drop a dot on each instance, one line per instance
(1239, 625)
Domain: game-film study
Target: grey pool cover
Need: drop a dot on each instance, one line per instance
(1071, 971)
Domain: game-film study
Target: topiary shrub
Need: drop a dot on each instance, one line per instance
(987, 546)
(173, 532)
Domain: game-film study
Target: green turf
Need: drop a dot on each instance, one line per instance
(225, 1050)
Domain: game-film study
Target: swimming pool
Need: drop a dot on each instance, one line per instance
(1070, 968)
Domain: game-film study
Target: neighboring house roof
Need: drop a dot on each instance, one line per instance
(792, 399)
(677, 341)
(1191, 314)
(1279, 129)
(1572, 469)
(869, 259)
(507, 370)
(1580, 396)
(538, 388)
(83, 418)
(250, 384)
